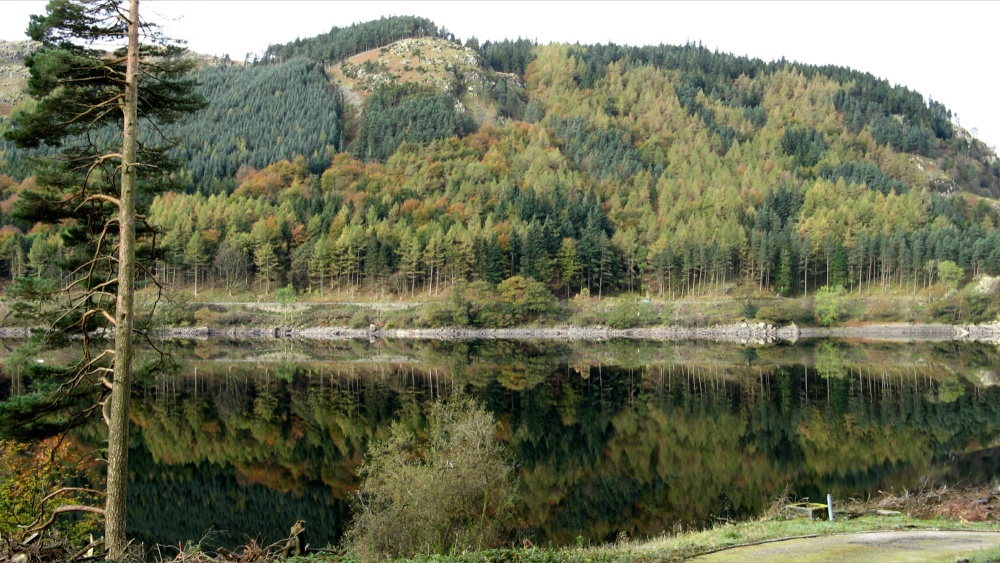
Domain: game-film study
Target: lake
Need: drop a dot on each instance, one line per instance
(609, 437)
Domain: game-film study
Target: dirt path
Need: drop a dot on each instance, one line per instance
(906, 546)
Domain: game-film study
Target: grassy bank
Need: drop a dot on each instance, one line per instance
(485, 308)
(520, 302)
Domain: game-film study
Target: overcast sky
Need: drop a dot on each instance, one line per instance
(944, 50)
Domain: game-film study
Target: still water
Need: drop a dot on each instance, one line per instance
(609, 437)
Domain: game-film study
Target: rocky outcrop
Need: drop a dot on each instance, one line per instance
(982, 332)
(16, 51)
(15, 333)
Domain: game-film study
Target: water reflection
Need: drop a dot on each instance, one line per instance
(610, 437)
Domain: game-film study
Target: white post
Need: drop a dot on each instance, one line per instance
(829, 505)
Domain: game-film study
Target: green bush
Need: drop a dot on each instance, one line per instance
(829, 305)
(453, 492)
(633, 314)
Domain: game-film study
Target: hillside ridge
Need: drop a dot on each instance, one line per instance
(521, 170)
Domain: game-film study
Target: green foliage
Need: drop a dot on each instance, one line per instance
(902, 136)
(602, 153)
(805, 144)
(966, 307)
(633, 314)
(453, 492)
(829, 305)
(360, 319)
(520, 300)
(511, 56)
(787, 311)
(29, 474)
(257, 116)
(950, 274)
(342, 42)
(388, 121)
(30, 298)
(865, 173)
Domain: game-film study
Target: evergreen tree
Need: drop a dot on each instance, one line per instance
(95, 188)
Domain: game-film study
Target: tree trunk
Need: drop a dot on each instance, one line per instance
(118, 419)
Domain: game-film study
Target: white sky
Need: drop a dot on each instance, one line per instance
(944, 50)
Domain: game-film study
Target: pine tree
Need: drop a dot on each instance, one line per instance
(93, 188)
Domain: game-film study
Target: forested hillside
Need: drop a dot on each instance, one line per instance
(667, 171)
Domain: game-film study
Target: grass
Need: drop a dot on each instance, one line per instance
(685, 545)
(991, 555)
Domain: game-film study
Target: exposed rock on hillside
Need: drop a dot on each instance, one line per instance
(440, 66)
(13, 74)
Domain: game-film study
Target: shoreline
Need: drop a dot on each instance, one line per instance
(741, 333)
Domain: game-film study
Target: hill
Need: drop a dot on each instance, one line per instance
(388, 157)
(13, 74)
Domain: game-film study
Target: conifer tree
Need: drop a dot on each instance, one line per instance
(93, 190)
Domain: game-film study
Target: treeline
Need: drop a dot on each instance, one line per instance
(662, 170)
(506, 202)
(342, 42)
(458, 212)
(896, 116)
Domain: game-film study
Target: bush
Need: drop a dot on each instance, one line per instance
(518, 300)
(453, 492)
(633, 314)
(829, 305)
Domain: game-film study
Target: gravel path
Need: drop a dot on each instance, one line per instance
(904, 546)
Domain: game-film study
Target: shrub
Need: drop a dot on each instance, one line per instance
(829, 305)
(453, 492)
(518, 300)
(633, 314)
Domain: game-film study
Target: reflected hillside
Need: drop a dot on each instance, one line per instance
(609, 437)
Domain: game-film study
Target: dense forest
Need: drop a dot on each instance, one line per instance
(666, 170)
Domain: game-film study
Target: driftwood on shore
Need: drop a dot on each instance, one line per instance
(746, 332)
